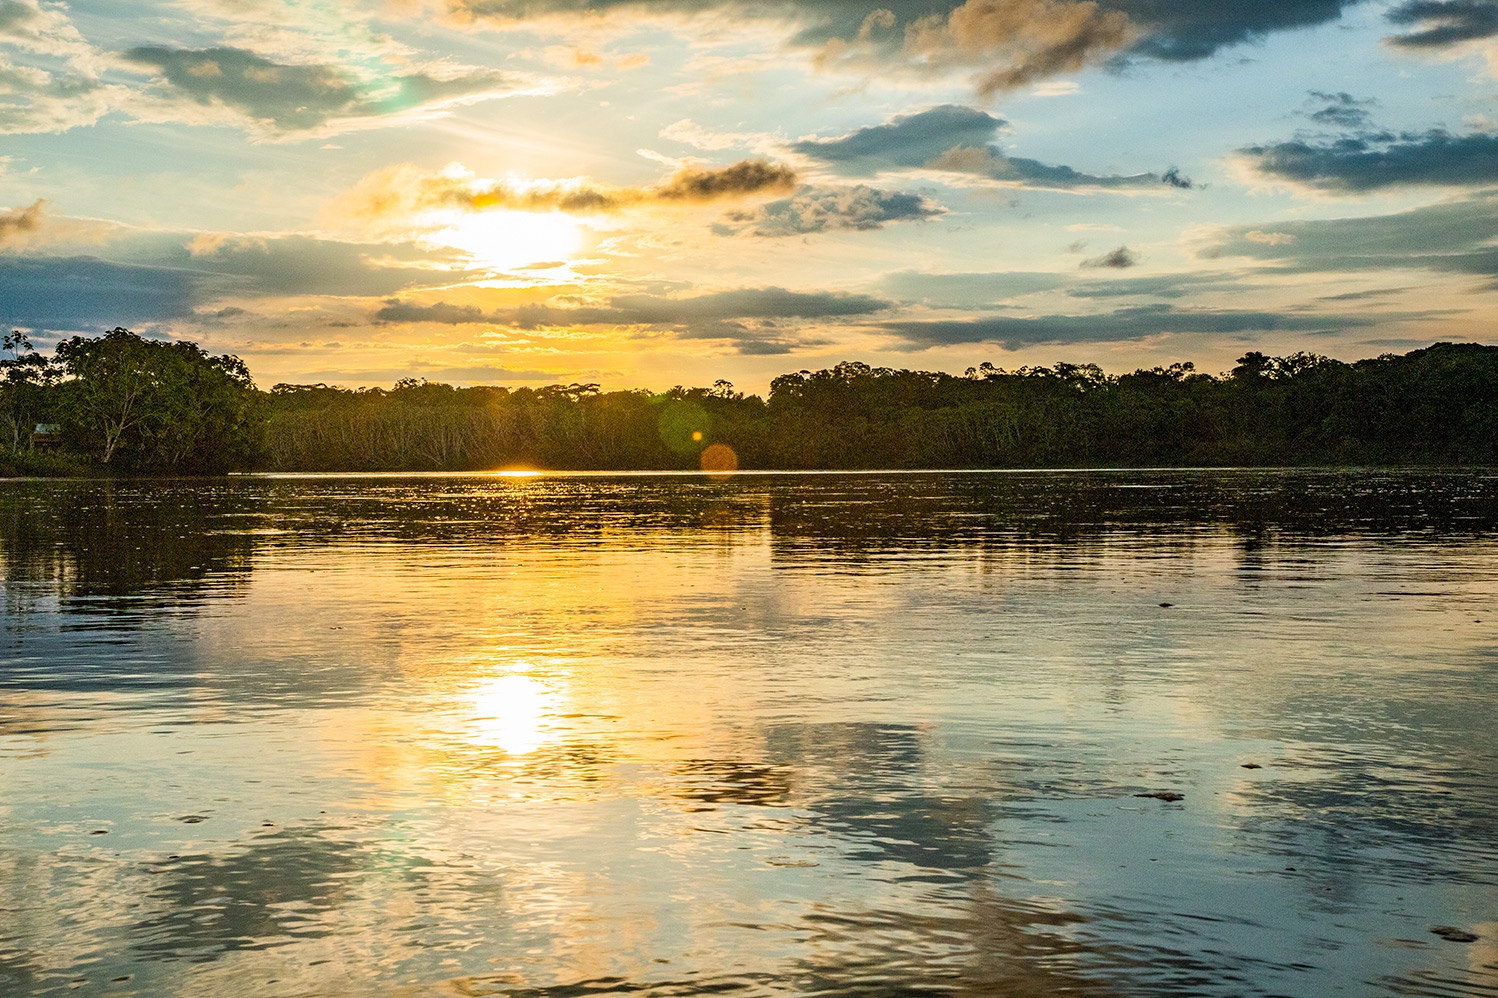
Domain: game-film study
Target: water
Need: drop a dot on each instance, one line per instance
(770, 735)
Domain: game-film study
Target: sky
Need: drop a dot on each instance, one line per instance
(645, 193)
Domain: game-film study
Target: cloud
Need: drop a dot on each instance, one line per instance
(1134, 323)
(19, 225)
(1173, 178)
(1356, 164)
(287, 98)
(404, 190)
(768, 303)
(1016, 42)
(28, 26)
(49, 74)
(1117, 259)
(1452, 237)
(1186, 32)
(688, 132)
(954, 139)
(1443, 22)
(706, 184)
(831, 209)
(1341, 110)
(86, 293)
(1160, 286)
(161, 276)
(905, 141)
(291, 265)
(758, 321)
(1001, 44)
(396, 310)
(39, 101)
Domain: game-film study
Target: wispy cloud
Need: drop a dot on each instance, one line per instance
(1454, 237)
(1133, 323)
(404, 190)
(289, 98)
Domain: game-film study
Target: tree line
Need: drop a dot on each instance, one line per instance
(121, 402)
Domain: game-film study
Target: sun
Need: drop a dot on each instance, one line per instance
(505, 239)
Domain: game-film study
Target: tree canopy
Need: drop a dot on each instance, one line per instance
(151, 405)
(145, 405)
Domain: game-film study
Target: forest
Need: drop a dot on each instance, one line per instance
(124, 404)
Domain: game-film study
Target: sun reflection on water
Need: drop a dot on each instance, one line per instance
(511, 713)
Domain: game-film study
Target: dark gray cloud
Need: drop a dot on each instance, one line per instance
(299, 97)
(1341, 110)
(1173, 178)
(1186, 32)
(1116, 259)
(1453, 237)
(824, 209)
(165, 279)
(86, 293)
(907, 140)
(396, 310)
(1133, 323)
(1443, 22)
(1358, 163)
(954, 139)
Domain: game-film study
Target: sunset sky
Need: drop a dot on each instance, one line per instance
(644, 193)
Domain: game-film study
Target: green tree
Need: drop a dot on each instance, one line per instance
(150, 404)
(27, 380)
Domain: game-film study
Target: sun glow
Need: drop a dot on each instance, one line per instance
(510, 712)
(506, 239)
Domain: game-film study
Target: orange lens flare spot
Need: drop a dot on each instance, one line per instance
(696, 434)
(719, 459)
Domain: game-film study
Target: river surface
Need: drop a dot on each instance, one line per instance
(779, 734)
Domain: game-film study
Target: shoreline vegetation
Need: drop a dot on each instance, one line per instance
(122, 404)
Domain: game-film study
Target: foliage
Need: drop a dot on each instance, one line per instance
(149, 405)
(26, 378)
(1438, 405)
(145, 405)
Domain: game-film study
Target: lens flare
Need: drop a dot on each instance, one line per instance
(719, 459)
